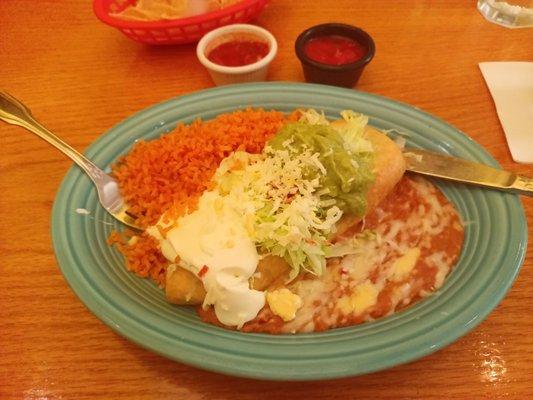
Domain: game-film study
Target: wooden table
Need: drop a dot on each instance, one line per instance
(81, 77)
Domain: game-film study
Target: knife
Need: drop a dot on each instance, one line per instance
(459, 170)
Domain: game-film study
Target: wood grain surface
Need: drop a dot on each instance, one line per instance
(81, 77)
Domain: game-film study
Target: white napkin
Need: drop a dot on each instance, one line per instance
(511, 87)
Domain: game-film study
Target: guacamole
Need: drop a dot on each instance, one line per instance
(349, 175)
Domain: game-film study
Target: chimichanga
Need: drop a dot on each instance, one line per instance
(185, 288)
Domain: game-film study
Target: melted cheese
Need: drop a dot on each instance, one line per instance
(363, 297)
(284, 303)
(312, 292)
(438, 260)
(360, 265)
(403, 266)
(388, 256)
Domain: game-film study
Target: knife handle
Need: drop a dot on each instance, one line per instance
(523, 185)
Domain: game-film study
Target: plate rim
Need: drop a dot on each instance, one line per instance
(201, 363)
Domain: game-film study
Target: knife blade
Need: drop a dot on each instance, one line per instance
(459, 170)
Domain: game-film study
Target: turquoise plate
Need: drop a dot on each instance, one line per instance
(494, 249)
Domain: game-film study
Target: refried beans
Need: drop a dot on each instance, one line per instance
(418, 238)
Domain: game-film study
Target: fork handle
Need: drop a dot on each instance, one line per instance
(14, 112)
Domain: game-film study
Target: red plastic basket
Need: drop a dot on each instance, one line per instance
(176, 31)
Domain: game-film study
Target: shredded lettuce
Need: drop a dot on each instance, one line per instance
(283, 211)
(352, 131)
(313, 117)
(281, 193)
(353, 245)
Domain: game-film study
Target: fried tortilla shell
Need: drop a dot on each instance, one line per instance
(389, 167)
(185, 288)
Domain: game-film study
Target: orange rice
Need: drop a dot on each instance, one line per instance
(171, 173)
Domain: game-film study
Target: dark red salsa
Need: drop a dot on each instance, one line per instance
(334, 50)
(237, 53)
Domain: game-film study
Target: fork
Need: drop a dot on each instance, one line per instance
(14, 112)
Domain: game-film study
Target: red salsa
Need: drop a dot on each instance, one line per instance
(334, 50)
(237, 53)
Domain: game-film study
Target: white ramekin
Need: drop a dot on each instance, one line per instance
(223, 75)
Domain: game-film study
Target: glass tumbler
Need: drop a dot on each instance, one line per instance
(510, 13)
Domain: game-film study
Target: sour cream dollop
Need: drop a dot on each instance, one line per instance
(213, 239)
